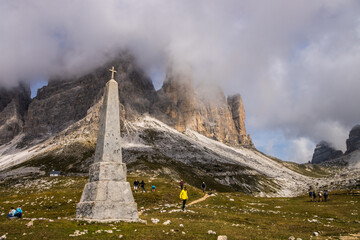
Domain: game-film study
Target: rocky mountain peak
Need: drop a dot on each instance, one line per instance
(179, 104)
(238, 112)
(324, 151)
(353, 142)
(203, 108)
(176, 99)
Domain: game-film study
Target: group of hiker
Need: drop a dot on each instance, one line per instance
(142, 185)
(320, 196)
(15, 213)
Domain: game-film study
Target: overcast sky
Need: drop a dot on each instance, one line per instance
(295, 63)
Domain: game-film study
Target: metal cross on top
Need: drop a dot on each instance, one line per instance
(112, 70)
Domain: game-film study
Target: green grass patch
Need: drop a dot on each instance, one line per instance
(237, 215)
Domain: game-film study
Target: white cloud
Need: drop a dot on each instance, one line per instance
(301, 150)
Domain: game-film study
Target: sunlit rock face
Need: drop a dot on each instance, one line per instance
(13, 105)
(203, 108)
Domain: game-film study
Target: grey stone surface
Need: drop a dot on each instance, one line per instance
(325, 152)
(108, 147)
(105, 171)
(107, 196)
(115, 211)
(353, 142)
(107, 191)
(13, 105)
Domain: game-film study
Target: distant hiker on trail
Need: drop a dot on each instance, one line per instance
(326, 195)
(153, 188)
(142, 184)
(183, 197)
(11, 213)
(203, 187)
(18, 212)
(320, 196)
(136, 185)
(314, 196)
(181, 184)
(311, 195)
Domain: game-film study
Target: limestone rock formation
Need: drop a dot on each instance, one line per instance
(238, 112)
(325, 152)
(176, 103)
(13, 105)
(353, 142)
(179, 103)
(107, 196)
(203, 108)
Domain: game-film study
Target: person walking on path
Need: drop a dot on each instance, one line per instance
(314, 196)
(320, 196)
(310, 195)
(326, 194)
(142, 184)
(136, 185)
(153, 188)
(184, 197)
(18, 212)
(181, 184)
(11, 213)
(203, 187)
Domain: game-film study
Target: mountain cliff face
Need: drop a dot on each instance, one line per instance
(64, 102)
(238, 113)
(13, 105)
(178, 103)
(325, 152)
(202, 108)
(353, 142)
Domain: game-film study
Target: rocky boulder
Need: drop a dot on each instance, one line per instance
(325, 152)
(353, 142)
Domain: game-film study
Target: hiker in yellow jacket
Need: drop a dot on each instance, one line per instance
(183, 197)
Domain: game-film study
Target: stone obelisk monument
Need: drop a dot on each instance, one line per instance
(107, 196)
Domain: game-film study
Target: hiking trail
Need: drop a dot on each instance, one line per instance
(200, 199)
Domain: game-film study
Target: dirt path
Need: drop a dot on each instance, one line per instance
(200, 199)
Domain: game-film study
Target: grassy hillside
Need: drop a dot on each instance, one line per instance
(233, 214)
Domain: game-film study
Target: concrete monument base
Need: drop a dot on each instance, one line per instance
(108, 211)
(107, 196)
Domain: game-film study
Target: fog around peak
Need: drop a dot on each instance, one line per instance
(295, 63)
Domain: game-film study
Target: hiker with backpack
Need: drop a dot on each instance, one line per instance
(203, 187)
(142, 184)
(184, 197)
(314, 196)
(136, 185)
(181, 184)
(326, 195)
